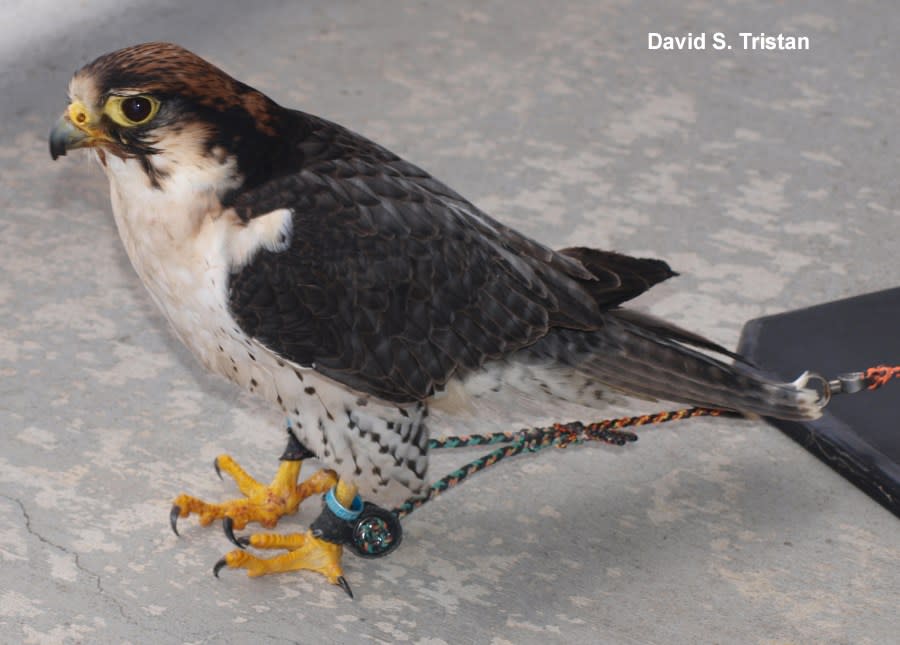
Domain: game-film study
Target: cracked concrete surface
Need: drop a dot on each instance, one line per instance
(768, 179)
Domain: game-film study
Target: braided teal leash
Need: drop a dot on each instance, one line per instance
(560, 435)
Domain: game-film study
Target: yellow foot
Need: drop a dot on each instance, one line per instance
(304, 551)
(263, 504)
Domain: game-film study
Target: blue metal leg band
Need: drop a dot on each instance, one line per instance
(346, 514)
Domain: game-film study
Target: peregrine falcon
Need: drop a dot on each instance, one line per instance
(355, 292)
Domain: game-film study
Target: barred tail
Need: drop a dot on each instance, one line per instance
(645, 357)
(648, 363)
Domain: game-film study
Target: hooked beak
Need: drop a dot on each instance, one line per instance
(72, 131)
(65, 136)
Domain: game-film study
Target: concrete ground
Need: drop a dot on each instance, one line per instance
(767, 178)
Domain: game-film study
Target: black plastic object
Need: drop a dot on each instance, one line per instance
(859, 434)
(376, 533)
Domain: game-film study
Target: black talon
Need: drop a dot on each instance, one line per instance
(174, 514)
(343, 584)
(218, 566)
(216, 466)
(228, 526)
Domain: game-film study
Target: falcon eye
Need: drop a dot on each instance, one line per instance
(131, 110)
(136, 108)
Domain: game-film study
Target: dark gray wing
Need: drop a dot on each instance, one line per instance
(393, 283)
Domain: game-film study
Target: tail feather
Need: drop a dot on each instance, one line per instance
(667, 330)
(643, 362)
(730, 390)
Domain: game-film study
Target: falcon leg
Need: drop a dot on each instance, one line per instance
(262, 503)
(319, 549)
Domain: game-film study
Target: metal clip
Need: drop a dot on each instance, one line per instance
(849, 383)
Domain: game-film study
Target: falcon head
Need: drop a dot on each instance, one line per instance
(167, 108)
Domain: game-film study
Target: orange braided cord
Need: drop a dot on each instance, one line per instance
(659, 417)
(880, 375)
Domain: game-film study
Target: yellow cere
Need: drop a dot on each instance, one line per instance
(78, 113)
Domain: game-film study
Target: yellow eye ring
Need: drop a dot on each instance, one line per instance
(129, 111)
